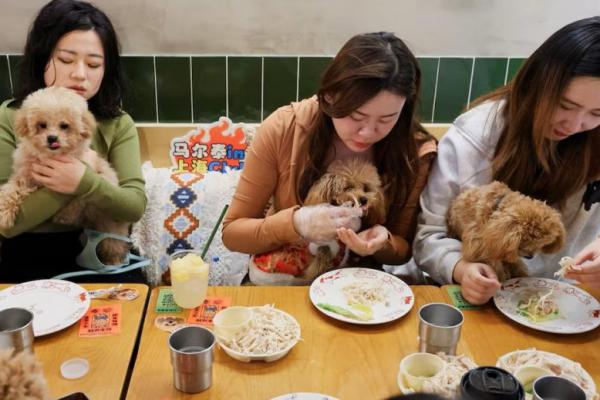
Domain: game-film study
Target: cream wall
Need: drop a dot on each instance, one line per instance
(318, 27)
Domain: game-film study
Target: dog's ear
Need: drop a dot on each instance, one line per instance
(377, 209)
(555, 245)
(499, 239)
(558, 240)
(325, 189)
(502, 238)
(88, 124)
(21, 126)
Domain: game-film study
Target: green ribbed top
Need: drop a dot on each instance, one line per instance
(117, 141)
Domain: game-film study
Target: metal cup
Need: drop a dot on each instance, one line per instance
(556, 388)
(16, 329)
(191, 350)
(439, 328)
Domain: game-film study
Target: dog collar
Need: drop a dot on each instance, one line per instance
(498, 201)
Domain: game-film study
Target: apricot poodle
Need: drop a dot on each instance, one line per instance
(54, 121)
(498, 226)
(350, 183)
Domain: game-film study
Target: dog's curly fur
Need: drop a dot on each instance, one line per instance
(498, 226)
(352, 182)
(53, 121)
(21, 377)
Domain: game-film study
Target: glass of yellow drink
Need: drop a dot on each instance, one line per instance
(189, 278)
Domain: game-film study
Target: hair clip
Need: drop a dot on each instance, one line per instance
(591, 195)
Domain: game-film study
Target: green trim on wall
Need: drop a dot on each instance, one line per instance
(209, 88)
(5, 85)
(185, 89)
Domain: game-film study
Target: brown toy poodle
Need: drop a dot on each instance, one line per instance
(351, 183)
(54, 121)
(498, 226)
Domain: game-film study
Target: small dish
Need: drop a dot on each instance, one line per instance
(74, 368)
(416, 368)
(447, 382)
(231, 320)
(527, 374)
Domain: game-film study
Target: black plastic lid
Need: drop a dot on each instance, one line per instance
(490, 383)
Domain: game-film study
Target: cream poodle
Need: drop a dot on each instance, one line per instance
(498, 226)
(54, 121)
(21, 377)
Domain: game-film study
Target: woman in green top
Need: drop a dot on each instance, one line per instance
(70, 44)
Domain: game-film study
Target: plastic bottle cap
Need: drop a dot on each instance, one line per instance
(74, 368)
(490, 383)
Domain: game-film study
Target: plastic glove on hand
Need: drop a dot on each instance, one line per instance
(319, 223)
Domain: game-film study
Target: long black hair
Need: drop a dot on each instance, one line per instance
(56, 19)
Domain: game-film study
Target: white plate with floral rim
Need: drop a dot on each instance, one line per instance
(304, 396)
(55, 304)
(555, 363)
(361, 296)
(548, 305)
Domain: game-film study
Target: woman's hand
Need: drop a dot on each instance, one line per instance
(366, 242)
(478, 282)
(586, 266)
(61, 173)
(319, 223)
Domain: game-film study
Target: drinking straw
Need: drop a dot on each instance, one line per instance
(214, 230)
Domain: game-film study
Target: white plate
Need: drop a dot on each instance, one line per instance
(304, 396)
(327, 289)
(55, 304)
(578, 310)
(507, 362)
(264, 357)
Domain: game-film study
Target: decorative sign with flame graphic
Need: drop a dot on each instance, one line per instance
(217, 146)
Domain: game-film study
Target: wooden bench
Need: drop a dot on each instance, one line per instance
(155, 139)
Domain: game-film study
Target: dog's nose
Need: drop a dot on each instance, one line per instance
(52, 139)
(363, 200)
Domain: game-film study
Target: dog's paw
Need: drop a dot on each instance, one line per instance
(8, 217)
(112, 251)
(67, 219)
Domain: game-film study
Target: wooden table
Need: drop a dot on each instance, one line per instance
(487, 334)
(342, 360)
(108, 356)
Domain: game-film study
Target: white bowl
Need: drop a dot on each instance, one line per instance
(231, 320)
(266, 357)
(416, 368)
(527, 374)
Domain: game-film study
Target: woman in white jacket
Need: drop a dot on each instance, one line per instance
(540, 135)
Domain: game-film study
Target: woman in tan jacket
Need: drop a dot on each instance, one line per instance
(364, 108)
